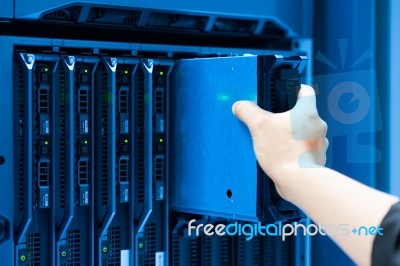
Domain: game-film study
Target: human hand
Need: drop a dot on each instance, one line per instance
(286, 141)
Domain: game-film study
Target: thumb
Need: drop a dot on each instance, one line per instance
(249, 113)
(306, 99)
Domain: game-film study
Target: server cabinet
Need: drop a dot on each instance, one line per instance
(88, 160)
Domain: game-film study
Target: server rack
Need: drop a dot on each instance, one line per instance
(96, 125)
(88, 158)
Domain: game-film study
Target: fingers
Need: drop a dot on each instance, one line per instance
(249, 113)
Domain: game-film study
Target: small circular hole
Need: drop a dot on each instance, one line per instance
(229, 193)
(2, 160)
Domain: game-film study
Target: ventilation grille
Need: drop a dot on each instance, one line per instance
(285, 259)
(159, 101)
(140, 135)
(20, 149)
(83, 100)
(241, 251)
(207, 252)
(83, 171)
(272, 96)
(270, 251)
(123, 100)
(43, 100)
(43, 173)
(104, 135)
(150, 247)
(67, 14)
(114, 237)
(63, 148)
(74, 248)
(194, 252)
(235, 25)
(257, 251)
(56, 15)
(123, 169)
(291, 87)
(176, 250)
(225, 251)
(159, 168)
(33, 248)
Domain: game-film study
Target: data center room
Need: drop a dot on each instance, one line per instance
(119, 146)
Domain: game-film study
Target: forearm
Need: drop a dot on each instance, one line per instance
(330, 198)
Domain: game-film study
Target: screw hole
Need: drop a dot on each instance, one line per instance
(229, 193)
(2, 160)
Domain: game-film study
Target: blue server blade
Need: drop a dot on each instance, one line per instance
(214, 167)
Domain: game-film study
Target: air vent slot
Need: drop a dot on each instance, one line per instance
(140, 135)
(150, 246)
(159, 168)
(43, 100)
(83, 171)
(272, 97)
(123, 169)
(63, 145)
(74, 248)
(83, 100)
(20, 132)
(235, 25)
(270, 29)
(159, 101)
(225, 251)
(123, 100)
(33, 246)
(70, 14)
(104, 137)
(114, 237)
(43, 173)
(177, 21)
(291, 89)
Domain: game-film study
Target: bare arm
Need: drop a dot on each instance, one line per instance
(290, 147)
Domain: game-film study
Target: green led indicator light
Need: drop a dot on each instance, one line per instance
(64, 253)
(126, 71)
(86, 142)
(126, 141)
(161, 73)
(46, 69)
(46, 142)
(141, 245)
(23, 258)
(86, 71)
(161, 140)
(105, 249)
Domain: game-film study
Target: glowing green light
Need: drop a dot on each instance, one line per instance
(86, 71)
(46, 69)
(64, 253)
(161, 73)
(126, 71)
(86, 142)
(141, 245)
(46, 142)
(126, 141)
(161, 140)
(23, 258)
(105, 249)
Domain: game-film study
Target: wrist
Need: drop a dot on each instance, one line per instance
(289, 179)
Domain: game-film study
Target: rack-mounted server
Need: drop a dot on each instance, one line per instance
(91, 144)
(215, 170)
